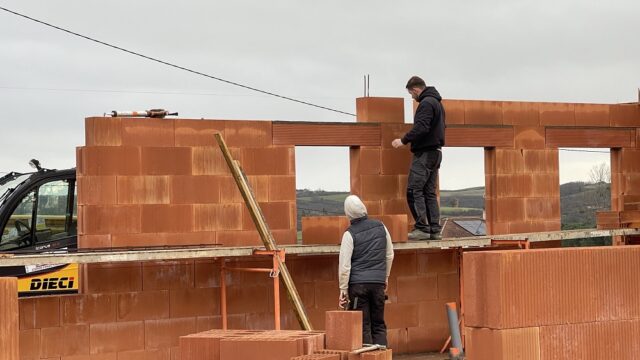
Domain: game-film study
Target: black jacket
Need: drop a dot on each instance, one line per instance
(428, 123)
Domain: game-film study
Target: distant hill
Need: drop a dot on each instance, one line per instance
(579, 202)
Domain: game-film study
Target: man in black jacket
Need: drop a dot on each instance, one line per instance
(426, 138)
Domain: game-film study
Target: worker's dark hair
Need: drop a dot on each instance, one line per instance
(416, 81)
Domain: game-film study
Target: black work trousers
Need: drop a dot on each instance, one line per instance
(421, 190)
(369, 298)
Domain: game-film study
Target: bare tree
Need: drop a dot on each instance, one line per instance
(600, 173)
(600, 176)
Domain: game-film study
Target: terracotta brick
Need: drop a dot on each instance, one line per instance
(503, 344)
(27, 308)
(9, 313)
(120, 336)
(94, 241)
(118, 219)
(194, 302)
(526, 137)
(521, 113)
(515, 185)
(47, 311)
(65, 340)
(200, 346)
(248, 133)
(592, 115)
(166, 161)
(454, 110)
(509, 162)
(282, 188)
(412, 289)
(210, 161)
(211, 217)
(398, 340)
(546, 184)
(103, 131)
(96, 190)
(325, 134)
(269, 161)
(404, 264)
(143, 190)
(490, 162)
(390, 132)
(557, 114)
(624, 115)
(242, 298)
(433, 315)
(113, 277)
(364, 160)
(109, 160)
(88, 309)
(168, 275)
(323, 229)
(542, 208)
(510, 209)
(448, 286)
(403, 315)
(164, 239)
(377, 355)
(147, 305)
(239, 238)
(490, 136)
(395, 161)
(29, 345)
(109, 356)
(373, 207)
(437, 262)
(148, 132)
(344, 355)
(380, 109)
(197, 132)
(276, 214)
(344, 330)
(482, 112)
(541, 161)
(165, 333)
(159, 354)
(229, 192)
(260, 187)
(396, 225)
(195, 189)
(582, 137)
(167, 218)
(285, 237)
(382, 187)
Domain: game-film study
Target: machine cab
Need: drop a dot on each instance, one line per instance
(38, 213)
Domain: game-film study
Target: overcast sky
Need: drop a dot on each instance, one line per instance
(566, 51)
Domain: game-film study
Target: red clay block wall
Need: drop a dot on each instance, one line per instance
(9, 329)
(150, 182)
(133, 310)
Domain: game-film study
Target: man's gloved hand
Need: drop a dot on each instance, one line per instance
(343, 300)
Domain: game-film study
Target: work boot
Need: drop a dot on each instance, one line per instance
(435, 236)
(418, 234)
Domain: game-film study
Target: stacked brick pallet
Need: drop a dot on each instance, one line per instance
(553, 304)
(343, 336)
(146, 182)
(618, 219)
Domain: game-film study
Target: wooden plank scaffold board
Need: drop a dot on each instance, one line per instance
(265, 233)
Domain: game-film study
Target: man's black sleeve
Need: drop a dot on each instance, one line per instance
(421, 123)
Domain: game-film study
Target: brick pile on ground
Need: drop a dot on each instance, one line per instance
(343, 336)
(579, 303)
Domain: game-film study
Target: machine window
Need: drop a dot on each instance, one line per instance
(17, 231)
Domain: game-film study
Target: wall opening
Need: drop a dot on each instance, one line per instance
(462, 192)
(585, 188)
(322, 181)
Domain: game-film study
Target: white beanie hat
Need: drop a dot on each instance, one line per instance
(354, 208)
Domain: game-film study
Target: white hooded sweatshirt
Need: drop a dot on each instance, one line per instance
(354, 209)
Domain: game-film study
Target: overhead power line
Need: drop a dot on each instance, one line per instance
(174, 65)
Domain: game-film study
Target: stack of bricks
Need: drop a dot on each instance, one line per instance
(249, 345)
(155, 182)
(618, 219)
(578, 303)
